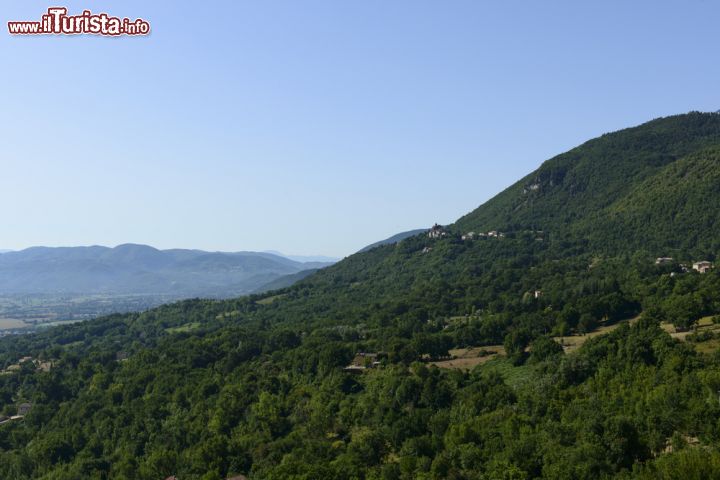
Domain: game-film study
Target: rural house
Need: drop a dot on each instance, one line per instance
(702, 266)
(362, 362)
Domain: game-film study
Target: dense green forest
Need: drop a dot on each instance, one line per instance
(207, 389)
(645, 187)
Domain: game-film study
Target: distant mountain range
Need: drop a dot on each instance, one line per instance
(141, 269)
(305, 258)
(134, 269)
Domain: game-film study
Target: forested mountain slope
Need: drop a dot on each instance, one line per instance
(568, 193)
(394, 239)
(256, 385)
(672, 212)
(650, 188)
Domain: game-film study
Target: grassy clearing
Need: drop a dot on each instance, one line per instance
(494, 356)
(469, 358)
(708, 346)
(573, 342)
(489, 358)
(515, 376)
(188, 327)
(269, 300)
(704, 325)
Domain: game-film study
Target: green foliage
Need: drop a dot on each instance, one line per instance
(516, 342)
(544, 348)
(654, 186)
(256, 385)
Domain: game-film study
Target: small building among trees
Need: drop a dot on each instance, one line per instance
(703, 266)
(363, 361)
(437, 231)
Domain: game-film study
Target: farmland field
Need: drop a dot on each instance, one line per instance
(11, 323)
(24, 313)
(467, 358)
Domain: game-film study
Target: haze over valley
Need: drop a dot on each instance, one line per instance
(43, 286)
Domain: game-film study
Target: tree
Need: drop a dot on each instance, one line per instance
(515, 343)
(587, 323)
(682, 310)
(544, 348)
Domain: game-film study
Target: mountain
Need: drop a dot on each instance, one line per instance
(594, 191)
(5, 251)
(319, 259)
(394, 239)
(646, 190)
(140, 269)
(554, 347)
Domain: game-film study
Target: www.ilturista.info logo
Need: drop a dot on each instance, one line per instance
(58, 22)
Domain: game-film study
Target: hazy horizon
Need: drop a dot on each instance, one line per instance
(273, 252)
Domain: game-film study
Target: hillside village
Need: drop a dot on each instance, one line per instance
(438, 231)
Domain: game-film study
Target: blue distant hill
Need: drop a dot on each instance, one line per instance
(141, 269)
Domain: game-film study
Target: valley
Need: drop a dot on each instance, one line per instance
(42, 287)
(27, 313)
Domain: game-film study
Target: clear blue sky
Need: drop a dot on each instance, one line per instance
(321, 126)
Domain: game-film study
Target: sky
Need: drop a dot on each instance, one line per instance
(318, 127)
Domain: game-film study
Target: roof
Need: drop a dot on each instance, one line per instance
(354, 368)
